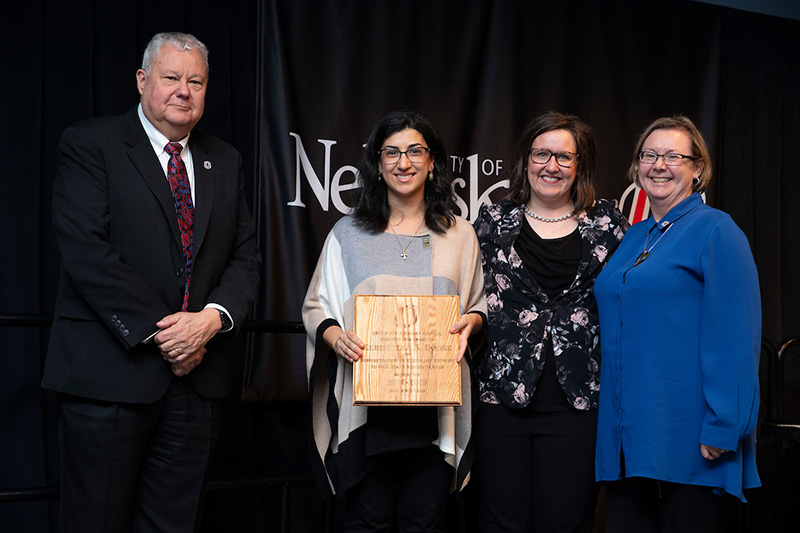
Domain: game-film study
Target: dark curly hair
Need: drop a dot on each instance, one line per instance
(584, 189)
(371, 210)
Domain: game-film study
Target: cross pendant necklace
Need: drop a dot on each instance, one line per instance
(403, 253)
(642, 257)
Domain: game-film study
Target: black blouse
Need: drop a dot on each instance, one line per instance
(553, 263)
(526, 319)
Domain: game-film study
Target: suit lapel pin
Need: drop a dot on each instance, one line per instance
(207, 165)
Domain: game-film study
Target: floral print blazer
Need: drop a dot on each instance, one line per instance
(522, 318)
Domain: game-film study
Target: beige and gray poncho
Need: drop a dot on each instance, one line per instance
(354, 261)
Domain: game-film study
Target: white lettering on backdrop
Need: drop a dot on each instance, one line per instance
(329, 189)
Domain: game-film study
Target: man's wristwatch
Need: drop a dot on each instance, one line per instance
(226, 322)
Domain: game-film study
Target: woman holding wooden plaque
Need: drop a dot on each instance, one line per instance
(539, 382)
(402, 238)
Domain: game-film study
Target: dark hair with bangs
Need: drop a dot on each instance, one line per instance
(371, 211)
(584, 189)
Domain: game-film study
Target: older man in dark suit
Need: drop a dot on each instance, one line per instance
(159, 269)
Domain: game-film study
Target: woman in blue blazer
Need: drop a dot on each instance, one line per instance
(680, 322)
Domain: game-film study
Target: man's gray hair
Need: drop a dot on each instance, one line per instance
(181, 41)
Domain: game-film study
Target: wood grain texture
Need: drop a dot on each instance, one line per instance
(410, 354)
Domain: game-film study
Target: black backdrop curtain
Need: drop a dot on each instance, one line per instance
(317, 75)
(481, 70)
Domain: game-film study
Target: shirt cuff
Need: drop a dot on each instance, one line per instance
(220, 308)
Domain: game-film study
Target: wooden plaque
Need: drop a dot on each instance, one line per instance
(410, 355)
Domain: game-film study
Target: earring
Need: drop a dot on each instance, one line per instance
(696, 181)
(379, 174)
(430, 175)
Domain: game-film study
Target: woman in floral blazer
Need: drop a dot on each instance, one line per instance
(539, 382)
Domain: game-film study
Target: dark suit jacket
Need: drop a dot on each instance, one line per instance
(123, 268)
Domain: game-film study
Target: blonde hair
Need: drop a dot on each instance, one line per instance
(699, 148)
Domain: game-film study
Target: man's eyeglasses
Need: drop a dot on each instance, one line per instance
(415, 154)
(542, 155)
(672, 159)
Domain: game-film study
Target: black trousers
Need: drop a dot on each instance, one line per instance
(135, 468)
(644, 505)
(534, 470)
(407, 488)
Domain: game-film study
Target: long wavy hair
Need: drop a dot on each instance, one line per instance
(371, 210)
(584, 189)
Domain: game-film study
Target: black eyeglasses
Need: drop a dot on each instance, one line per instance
(542, 155)
(415, 154)
(672, 159)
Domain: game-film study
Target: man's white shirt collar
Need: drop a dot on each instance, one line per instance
(158, 141)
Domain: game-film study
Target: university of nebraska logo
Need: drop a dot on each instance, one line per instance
(634, 204)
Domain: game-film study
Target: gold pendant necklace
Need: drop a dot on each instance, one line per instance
(403, 253)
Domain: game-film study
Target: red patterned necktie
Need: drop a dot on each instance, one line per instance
(182, 193)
